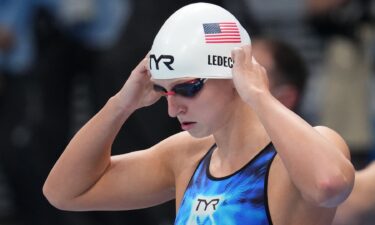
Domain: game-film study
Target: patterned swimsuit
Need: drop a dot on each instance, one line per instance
(240, 198)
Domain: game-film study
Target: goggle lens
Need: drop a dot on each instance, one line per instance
(188, 89)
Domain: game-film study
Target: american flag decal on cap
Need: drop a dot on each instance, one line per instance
(225, 32)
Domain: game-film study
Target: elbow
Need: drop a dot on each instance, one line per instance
(52, 198)
(55, 199)
(332, 191)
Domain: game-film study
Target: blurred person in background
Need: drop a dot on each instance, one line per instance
(286, 69)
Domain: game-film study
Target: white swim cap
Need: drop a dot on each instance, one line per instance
(196, 41)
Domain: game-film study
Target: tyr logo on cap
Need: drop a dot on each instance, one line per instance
(166, 59)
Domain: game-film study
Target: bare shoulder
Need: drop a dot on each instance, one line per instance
(181, 149)
(182, 153)
(334, 138)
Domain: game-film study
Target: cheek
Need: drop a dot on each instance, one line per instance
(218, 106)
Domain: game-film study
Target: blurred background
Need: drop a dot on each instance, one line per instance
(60, 60)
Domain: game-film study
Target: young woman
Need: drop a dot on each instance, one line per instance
(243, 157)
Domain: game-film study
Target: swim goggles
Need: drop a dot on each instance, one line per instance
(188, 89)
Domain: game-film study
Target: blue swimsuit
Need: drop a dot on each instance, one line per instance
(240, 198)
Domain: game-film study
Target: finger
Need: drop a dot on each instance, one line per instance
(254, 61)
(149, 72)
(144, 65)
(148, 56)
(248, 52)
(147, 64)
(238, 55)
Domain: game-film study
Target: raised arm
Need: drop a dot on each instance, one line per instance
(317, 159)
(86, 177)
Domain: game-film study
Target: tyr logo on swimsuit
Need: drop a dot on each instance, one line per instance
(204, 205)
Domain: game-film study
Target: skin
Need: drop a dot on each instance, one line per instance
(286, 93)
(242, 120)
(358, 209)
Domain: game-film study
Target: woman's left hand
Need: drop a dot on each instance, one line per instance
(249, 77)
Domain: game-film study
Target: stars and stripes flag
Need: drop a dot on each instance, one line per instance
(225, 32)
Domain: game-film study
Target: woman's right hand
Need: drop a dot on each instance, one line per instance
(138, 89)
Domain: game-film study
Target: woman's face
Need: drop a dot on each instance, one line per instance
(204, 113)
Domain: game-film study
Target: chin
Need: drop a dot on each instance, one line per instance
(199, 134)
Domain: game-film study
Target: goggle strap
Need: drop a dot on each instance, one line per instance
(167, 93)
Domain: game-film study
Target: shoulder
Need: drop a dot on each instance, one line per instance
(183, 143)
(181, 150)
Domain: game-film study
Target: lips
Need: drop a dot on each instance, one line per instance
(187, 125)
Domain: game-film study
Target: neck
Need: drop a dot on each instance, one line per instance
(244, 134)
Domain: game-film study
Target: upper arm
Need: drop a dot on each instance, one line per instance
(133, 180)
(334, 138)
(143, 178)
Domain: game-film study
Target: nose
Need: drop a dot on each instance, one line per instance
(175, 107)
